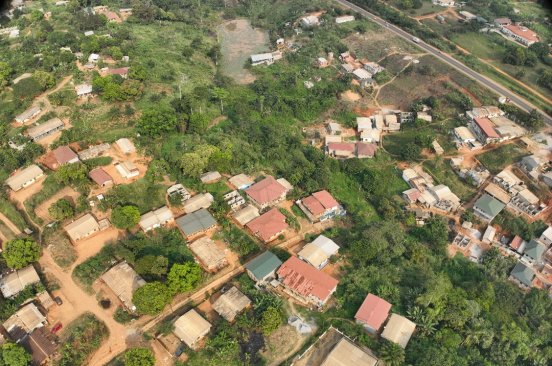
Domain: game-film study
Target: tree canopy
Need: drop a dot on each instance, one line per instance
(125, 217)
(184, 277)
(19, 253)
(151, 298)
(139, 357)
(14, 355)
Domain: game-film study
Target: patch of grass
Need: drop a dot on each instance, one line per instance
(442, 172)
(498, 159)
(142, 194)
(11, 212)
(349, 193)
(88, 271)
(63, 252)
(82, 337)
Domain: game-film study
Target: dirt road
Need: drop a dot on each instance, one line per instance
(77, 302)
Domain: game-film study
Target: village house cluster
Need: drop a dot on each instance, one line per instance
(425, 194)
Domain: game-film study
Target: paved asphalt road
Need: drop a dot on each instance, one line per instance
(497, 88)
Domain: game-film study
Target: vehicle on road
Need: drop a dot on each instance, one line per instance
(416, 39)
(58, 300)
(56, 328)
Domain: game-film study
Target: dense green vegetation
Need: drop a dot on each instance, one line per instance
(82, 337)
(19, 253)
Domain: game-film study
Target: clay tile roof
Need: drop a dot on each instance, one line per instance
(64, 154)
(313, 205)
(267, 190)
(119, 71)
(326, 199)
(516, 242)
(523, 32)
(342, 146)
(366, 149)
(373, 311)
(100, 176)
(268, 224)
(487, 127)
(305, 279)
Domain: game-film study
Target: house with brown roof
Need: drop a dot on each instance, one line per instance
(82, 228)
(305, 283)
(320, 206)
(267, 192)
(100, 177)
(39, 345)
(121, 71)
(208, 254)
(341, 150)
(373, 313)
(518, 244)
(231, 303)
(268, 226)
(64, 155)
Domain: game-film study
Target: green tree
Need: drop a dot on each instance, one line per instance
(151, 298)
(392, 354)
(410, 151)
(192, 164)
(14, 355)
(139, 357)
(45, 79)
(125, 217)
(198, 123)
(545, 78)
(156, 121)
(19, 253)
(61, 210)
(220, 94)
(72, 174)
(155, 265)
(271, 320)
(540, 49)
(184, 277)
(5, 71)
(27, 89)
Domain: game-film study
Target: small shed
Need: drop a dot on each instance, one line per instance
(241, 181)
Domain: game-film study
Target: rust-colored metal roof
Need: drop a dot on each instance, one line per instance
(487, 127)
(100, 176)
(306, 280)
(516, 242)
(313, 205)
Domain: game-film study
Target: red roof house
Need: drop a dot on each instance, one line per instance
(521, 34)
(517, 244)
(486, 128)
(267, 192)
(320, 206)
(268, 226)
(341, 149)
(122, 71)
(64, 155)
(373, 313)
(100, 177)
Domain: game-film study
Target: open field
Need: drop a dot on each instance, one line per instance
(443, 174)
(239, 40)
(500, 158)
